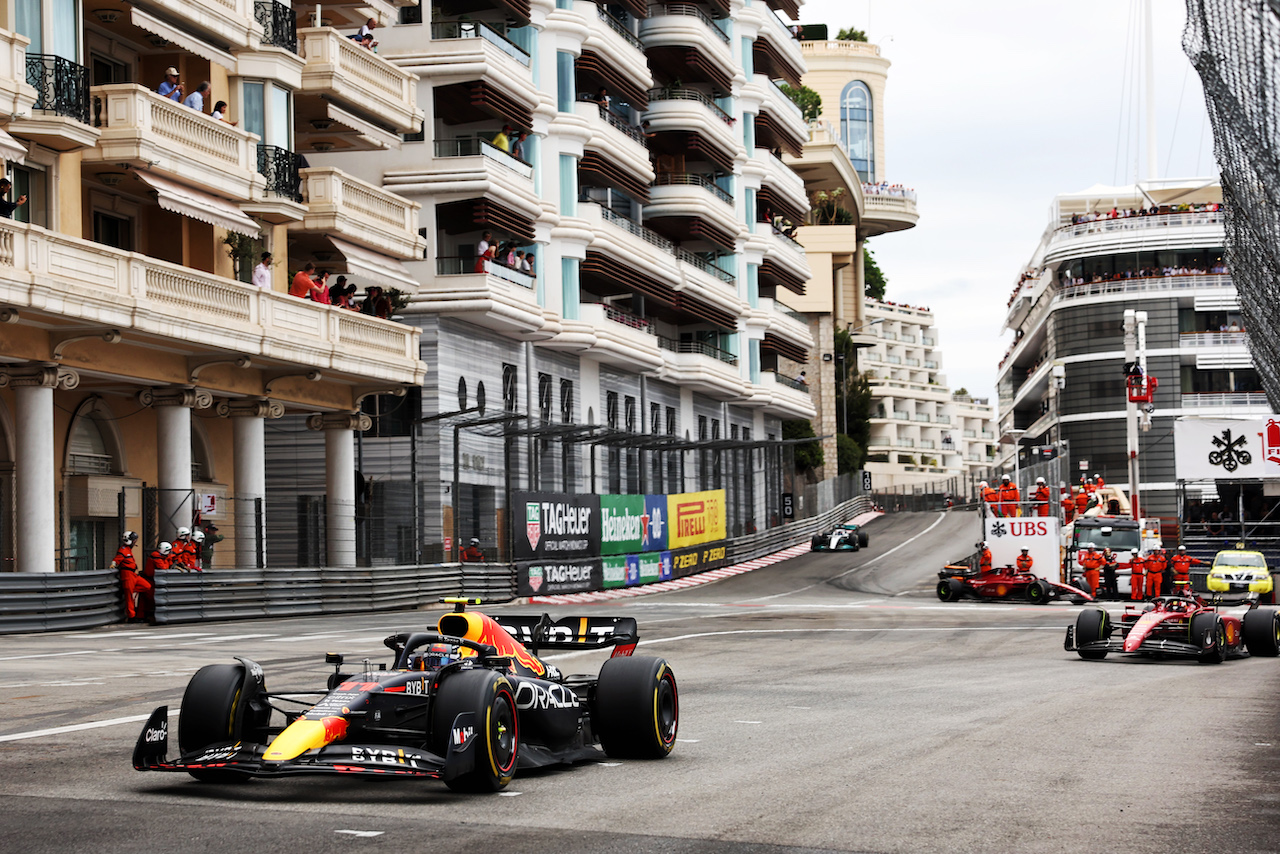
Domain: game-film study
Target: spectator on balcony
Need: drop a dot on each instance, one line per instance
(376, 303)
(7, 207)
(602, 97)
(262, 272)
(307, 282)
(503, 139)
(196, 99)
(801, 379)
(528, 264)
(170, 87)
(219, 113)
(367, 32)
(338, 291)
(522, 262)
(485, 252)
(517, 145)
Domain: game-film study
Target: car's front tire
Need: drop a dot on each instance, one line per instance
(637, 708)
(1262, 633)
(1092, 625)
(492, 699)
(215, 710)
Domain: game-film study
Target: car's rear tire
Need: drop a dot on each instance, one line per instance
(1092, 625)
(637, 708)
(863, 539)
(1262, 633)
(215, 710)
(492, 699)
(944, 589)
(1038, 592)
(1201, 624)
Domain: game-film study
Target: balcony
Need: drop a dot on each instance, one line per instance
(343, 206)
(712, 135)
(784, 397)
(618, 338)
(478, 74)
(618, 153)
(780, 123)
(783, 188)
(43, 273)
(17, 97)
(678, 198)
(1189, 230)
(702, 367)
(614, 57)
(776, 51)
(60, 115)
(144, 130)
(1137, 286)
(785, 262)
(359, 80)
(497, 298)
(461, 169)
(277, 56)
(1230, 401)
(888, 211)
(184, 22)
(683, 36)
(279, 24)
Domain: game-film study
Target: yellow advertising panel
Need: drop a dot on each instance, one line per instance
(695, 517)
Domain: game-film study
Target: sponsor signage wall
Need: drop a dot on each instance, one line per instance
(1225, 449)
(550, 578)
(632, 523)
(555, 526)
(1007, 537)
(696, 517)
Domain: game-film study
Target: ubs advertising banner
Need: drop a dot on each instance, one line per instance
(555, 526)
(1007, 537)
(549, 578)
(1221, 449)
(695, 517)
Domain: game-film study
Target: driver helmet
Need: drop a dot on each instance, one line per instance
(164, 548)
(435, 656)
(183, 533)
(197, 536)
(129, 538)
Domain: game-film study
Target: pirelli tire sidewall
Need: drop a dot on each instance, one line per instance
(491, 697)
(636, 711)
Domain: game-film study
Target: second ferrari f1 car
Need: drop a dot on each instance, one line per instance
(846, 537)
(469, 703)
(957, 582)
(1184, 626)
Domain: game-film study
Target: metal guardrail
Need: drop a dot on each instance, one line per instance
(82, 600)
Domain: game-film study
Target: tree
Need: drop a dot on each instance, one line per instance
(853, 392)
(809, 101)
(875, 280)
(849, 34)
(849, 454)
(827, 210)
(808, 456)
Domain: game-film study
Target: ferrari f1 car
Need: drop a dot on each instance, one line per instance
(1185, 626)
(470, 704)
(846, 537)
(957, 581)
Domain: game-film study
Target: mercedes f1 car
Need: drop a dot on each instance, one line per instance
(958, 581)
(470, 704)
(1184, 626)
(846, 537)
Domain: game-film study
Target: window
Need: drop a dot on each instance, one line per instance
(857, 128)
(715, 429)
(509, 390)
(268, 112)
(59, 20)
(392, 416)
(34, 184)
(104, 70)
(655, 419)
(629, 405)
(544, 397)
(671, 420)
(111, 230)
(87, 451)
(611, 410)
(566, 401)
(702, 428)
(568, 185)
(565, 81)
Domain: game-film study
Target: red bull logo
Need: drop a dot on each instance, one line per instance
(335, 729)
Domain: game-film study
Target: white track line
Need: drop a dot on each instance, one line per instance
(59, 730)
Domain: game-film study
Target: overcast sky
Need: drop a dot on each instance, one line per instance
(994, 107)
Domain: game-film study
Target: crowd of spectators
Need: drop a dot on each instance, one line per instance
(1022, 280)
(1218, 269)
(1154, 210)
(312, 284)
(505, 254)
(904, 305)
(884, 188)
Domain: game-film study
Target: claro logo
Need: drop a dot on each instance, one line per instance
(691, 519)
(154, 736)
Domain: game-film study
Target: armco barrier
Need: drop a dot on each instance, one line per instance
(80, 600)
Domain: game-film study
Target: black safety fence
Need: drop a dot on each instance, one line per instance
(76, 600)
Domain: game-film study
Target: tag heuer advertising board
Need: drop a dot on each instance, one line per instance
(555, 526)
(549, 578)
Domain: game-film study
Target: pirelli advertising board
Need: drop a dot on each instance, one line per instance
(577, 543)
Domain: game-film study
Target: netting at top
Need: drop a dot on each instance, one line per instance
(1235, 47)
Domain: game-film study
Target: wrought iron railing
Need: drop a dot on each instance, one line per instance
(280, 167)
(674, 94)
(279, 24)
(62, 86)
(676, 179)
(620, 28)
(622, 124)
(697, 347)
(693, 12)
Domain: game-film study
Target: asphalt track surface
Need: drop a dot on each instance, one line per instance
(828, 703)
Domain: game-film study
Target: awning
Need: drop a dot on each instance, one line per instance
(366, 267)
(181, 199)
(622, 84)
(11, 149)
(608, 173)
(794, 352)
(468, 215)
(184, 40)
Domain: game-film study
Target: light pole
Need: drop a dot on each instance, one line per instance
(841, 415)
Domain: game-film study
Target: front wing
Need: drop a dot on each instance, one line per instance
(385, 760)
(1164, 646)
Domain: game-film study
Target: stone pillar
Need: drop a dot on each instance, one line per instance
(340, 482)
(173, 407)
(248, 419)
(35, 511)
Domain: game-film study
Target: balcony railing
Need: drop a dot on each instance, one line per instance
(477, 29)
(1212, 339)
(626, 318)
(62, 86)
(339, 68)
(622, 124)
(790, 382)
(1158, 283)
(692, 11)
(80, 463)
(618, 27)
(279, 24)
(902, 416)
(704, 265)
(1227, 398)
(672, 94)
(790, 241)
(455, 266)
(472, 146)
(132, 109)
(280, 167)
(646, 234)
(697, 347)
(790, 312)
(687, 179)
(788, 104)
(1136, 223)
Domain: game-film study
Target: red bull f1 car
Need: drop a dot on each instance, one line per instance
(470, 704)
(959, 581)
(1183, 626)
(847, 537)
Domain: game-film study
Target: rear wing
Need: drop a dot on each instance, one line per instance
(541, 632)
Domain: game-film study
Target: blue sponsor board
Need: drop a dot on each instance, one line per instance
(654, 538)
(633, 570)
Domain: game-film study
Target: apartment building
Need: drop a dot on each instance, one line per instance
(1154, 247)
(141, 368)
(921, 431)
(643, 349)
